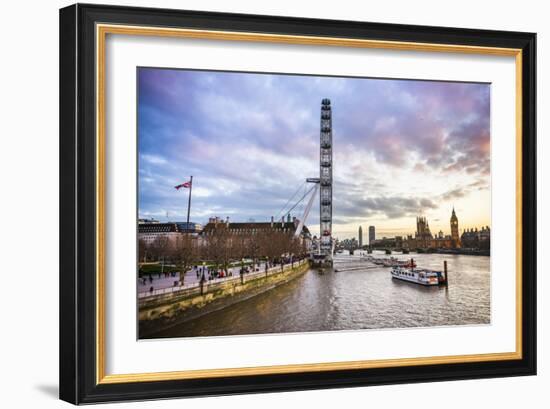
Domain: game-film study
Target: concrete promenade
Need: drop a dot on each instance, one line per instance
(162, 308)
(164, 285)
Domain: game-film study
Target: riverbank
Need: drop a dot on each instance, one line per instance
(464, 251)
(356, 299)
(160, 311)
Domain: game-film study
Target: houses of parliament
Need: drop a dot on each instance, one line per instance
(424, 239)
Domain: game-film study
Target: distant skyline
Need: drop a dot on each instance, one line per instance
(402, 148)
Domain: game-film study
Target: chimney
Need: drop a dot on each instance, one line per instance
(271, 221)
(227, 221)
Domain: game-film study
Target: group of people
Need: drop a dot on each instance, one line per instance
(150, 277)
(207, 273)
(248, 269)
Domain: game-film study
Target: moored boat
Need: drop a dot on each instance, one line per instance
(417, 275)
(394, 262)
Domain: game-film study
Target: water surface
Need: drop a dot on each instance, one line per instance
(359, 299)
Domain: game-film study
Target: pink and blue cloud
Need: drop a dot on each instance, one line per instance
(250, 139)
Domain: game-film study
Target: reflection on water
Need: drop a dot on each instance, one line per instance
(357, 299)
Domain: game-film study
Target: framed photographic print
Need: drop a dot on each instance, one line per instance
(257, 203)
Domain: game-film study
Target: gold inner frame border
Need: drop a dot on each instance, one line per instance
(102, 30)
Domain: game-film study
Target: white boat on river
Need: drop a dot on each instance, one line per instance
(417, 275)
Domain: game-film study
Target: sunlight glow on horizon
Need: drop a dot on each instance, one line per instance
(402, 148)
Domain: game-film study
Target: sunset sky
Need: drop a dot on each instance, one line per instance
(402, 148)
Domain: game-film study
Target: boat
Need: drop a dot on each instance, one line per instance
(394, 262)
(378, 261)
(385, 262)
(415, 275)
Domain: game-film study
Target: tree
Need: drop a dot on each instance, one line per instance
(253, 249)
(238, 246)
(285, 246)
(217, 247)
(160, 247)
(143, 249)
(278, 245)
(296, 248)
(267, 245)
(184, 254)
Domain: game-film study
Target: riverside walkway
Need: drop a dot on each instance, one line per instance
(162, 284)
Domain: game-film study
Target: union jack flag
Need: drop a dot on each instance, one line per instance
(184, 184)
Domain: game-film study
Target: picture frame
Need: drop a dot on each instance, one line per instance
(83, 218)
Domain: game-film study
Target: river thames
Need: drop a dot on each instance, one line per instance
(363, 298)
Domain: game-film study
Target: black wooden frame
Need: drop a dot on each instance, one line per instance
(77, 204)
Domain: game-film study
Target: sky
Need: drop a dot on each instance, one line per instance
(401, 149)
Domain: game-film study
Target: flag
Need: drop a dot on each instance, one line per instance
(184, 184)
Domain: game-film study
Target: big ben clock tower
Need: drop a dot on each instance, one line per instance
(454, 229)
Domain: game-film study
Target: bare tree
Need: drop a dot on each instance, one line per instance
(238, 244)
(160, 247)
(286, 246)
(218, 248)
(295, 249)
(143, 249)
(253, 249)
(229, 249)
(184, 254)
(276, 246)
(268, 246)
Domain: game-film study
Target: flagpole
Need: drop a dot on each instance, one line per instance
(189, 203)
